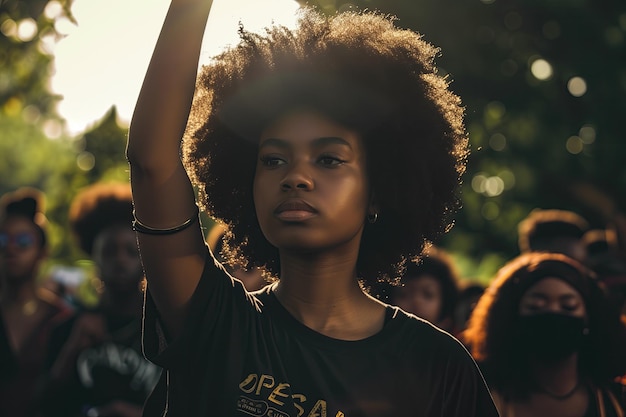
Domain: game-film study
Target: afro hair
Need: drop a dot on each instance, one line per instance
(98, 207)
(361, 71)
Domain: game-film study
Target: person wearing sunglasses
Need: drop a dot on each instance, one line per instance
(29, 311)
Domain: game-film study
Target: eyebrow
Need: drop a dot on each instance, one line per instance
(317, 142)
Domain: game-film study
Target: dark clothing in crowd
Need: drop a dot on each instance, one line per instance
(111, 370)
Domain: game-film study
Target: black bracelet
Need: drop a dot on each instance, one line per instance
(147, 230)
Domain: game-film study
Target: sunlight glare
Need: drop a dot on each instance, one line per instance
(102, 60)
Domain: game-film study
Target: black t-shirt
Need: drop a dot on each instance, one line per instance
(243, 354)
(113, 370)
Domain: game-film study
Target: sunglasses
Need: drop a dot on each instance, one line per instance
(22, 241)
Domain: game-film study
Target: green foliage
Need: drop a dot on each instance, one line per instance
(34, 150)
(534, 143)
(536, 140)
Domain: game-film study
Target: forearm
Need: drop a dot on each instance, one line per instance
(163, 196)
(164, 101)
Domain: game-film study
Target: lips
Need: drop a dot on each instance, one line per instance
(295, 210)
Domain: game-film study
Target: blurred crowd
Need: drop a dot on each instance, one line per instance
(548, 331)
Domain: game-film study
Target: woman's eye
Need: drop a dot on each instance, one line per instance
(329, 160)
(271, 161)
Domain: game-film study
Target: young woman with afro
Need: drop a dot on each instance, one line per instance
(332, 152)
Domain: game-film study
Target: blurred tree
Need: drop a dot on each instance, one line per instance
(34, 147)
(544, 83)
(102, 149)
(27, 31)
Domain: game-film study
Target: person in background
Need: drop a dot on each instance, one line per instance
(28, 310)
(604, 258)
(252, 278)
(553, 230)
(548, 341)
(469, 294)
(332, 151)
(429, 289)
(96, 363)
(8, 363)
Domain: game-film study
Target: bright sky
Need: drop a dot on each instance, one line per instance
(102, 61)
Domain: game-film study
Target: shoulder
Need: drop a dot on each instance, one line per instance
(423, 332)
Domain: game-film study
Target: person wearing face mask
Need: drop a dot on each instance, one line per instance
(96, 364)
(548, 341)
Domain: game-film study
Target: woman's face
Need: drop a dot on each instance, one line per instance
(552, 295)
(20, 249)
(420, 296)
(311, 188)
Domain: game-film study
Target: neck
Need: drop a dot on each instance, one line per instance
(323, 292)
(558, 379)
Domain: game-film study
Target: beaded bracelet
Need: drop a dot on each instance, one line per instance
(139, 227)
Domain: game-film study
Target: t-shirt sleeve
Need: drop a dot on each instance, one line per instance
(465, 393)
(220, 311)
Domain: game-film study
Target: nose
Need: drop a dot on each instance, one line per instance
(298, 178)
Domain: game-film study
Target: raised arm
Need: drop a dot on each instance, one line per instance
(162, 192)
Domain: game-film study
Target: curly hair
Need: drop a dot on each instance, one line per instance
(493, 332)
(29, 203)
(363, 72)
(98, 207)
(542, 225)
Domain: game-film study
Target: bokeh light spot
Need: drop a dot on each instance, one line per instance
(86, 161)
(53, 10)
(9, 28)
(31, 114)
(52, 129)
(541, 69)
(587, 134)
(495, 110)
(577, 86)
(494, 186)
(478, 183)
(26, 29)
(574, 145)
(508, 179)
(497, 141)
(490, 210)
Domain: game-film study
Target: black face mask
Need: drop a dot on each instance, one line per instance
(549, 336)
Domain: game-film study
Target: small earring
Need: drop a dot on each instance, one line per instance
(372, 218)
